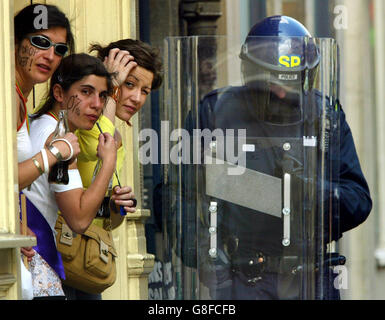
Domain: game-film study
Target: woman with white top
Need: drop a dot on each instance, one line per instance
(80, 86)
(38, 53)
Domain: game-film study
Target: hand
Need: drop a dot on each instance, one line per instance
(119, 63)
(107, 148)
(64, 148)
(29, 252)
(122, 197)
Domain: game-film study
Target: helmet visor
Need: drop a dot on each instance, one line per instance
(281, 54)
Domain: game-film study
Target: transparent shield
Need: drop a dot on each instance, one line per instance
(250, 155)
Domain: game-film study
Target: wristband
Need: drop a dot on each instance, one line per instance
(37, 165)
(69, 145)
(45, 160)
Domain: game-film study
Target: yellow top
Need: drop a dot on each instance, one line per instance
(87, 158)
(88, 142)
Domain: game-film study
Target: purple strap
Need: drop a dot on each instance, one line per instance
(46, 246)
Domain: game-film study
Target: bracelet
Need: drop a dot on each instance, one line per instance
(45, 160)
(69, 145)
(55, 151)
(37, 165)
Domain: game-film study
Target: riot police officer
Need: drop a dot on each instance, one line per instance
(303, 156)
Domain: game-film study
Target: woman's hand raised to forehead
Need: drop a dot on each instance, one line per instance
(119, 63)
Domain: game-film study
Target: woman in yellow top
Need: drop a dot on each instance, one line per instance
(136, 69)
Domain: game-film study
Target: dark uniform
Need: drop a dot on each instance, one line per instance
(245, 234)
(245, 242)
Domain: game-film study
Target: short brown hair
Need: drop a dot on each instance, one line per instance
(145, 56)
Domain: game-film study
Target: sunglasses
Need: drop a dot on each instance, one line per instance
(44, 43)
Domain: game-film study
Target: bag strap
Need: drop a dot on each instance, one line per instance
(95, 173)
(107, 223)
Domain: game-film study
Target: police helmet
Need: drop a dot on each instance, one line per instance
(282, 48)
(279, 51)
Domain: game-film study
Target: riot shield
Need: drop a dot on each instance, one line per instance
(250, 167)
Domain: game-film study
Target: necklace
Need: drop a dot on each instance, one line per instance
(21, 95)
(20, 92)
(53, 115)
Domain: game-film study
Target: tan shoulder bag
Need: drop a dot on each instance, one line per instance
(88, 258)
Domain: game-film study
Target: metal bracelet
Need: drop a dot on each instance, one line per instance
(68, 144)
(37, 165)
(45, 160)
(55, 151)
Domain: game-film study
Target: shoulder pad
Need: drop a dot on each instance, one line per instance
(216, 93)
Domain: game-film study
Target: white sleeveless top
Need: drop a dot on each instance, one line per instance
(42, 193)
(24, 144)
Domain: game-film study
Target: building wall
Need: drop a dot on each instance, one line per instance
(357, 97)
(9, 226)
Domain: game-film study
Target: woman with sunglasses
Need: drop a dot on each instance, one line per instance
(38, 53)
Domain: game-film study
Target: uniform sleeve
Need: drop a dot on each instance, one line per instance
(355, 200)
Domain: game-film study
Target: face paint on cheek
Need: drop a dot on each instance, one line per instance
(24, 55)
(73, 103)
(22, 61)
(29, 51)
(22, 58)
(32, 51)
(70, 103)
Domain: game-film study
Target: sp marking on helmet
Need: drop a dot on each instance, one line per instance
(290, 61)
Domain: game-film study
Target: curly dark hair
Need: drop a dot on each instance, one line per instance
(145, 56)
